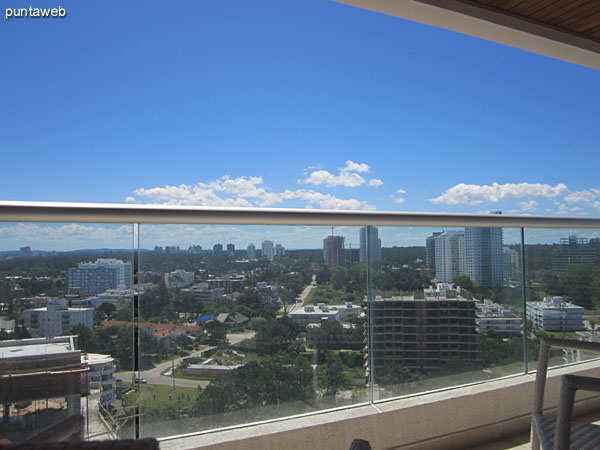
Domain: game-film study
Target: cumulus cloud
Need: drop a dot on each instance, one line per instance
(399, 200)
(351, 166)
(583, 196)
(562, 209)
(129, 200)
(528, 206)
(401, 191)
(348, 179)
(473, 194)
(348, 176)
(243, 192)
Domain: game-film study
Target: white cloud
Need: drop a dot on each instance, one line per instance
(243, 192)
(347, 176)
(328, 201)
(348, 179)
(562, 208)
(528, 206)
(351, 166)
(582, 196)
(399, 200)
(129, 200)
(473, 194)
(576, 208)
(401, 191)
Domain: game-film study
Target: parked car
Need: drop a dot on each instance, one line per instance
(140, 380)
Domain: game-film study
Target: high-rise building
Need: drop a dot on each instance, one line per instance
(25, 252)
(92, 278)
(483, 253)
(572, 250)
(231, 249)
(430, 249)
(217, 249)
(279, 250)
(511, 262)
(251, 251)
(375, 244)
(267, 250)
(333, 251)
(449, 255)
(423, 332)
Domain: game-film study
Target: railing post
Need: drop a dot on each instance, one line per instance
(524, 300)
(370, 299)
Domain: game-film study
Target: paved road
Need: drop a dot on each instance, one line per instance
(153, 376)
(303, 296)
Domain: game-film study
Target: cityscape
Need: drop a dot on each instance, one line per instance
(192, 339)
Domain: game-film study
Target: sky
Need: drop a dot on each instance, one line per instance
(284, 103)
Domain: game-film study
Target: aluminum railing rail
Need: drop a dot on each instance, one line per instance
(15, 211)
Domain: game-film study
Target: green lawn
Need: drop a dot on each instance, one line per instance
(156, 396)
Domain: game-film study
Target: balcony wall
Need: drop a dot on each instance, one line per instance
(450, 419)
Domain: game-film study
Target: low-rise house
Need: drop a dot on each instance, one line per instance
(555, 314)
(209, 370)
(314, 314)
(179, 279)
(495, 318)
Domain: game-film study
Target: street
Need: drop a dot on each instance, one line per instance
(153, 376)
(302, 296)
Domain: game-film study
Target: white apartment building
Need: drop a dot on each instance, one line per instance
(251, 251)
(268, 250)
(279, 250)
(495, 318)
(554, 314)
(179, 278)
(449, 255)
(56, 319)
(92, 278)
(101, 376)
(204, 294)
(511, 261)
(374, 244)
(268, 294)
(483, 256)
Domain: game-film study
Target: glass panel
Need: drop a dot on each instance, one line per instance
(563, 288)
(246, 323)
(447, 308)
(60, 362)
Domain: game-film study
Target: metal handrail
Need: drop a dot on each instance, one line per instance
(14, 211)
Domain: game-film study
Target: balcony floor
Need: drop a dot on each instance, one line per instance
(521, 441)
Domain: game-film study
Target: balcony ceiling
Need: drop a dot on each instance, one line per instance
(565, 29)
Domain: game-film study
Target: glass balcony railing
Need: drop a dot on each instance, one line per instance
(161, 321)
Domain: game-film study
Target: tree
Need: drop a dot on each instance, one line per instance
(275, 334)
(339, 277)
(465, 282)
(581, 284)
(217, 332)
(331, 373)
(104, 311)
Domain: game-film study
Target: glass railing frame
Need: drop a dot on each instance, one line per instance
(46, 212)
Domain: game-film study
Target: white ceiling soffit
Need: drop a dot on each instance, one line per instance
(493, 26)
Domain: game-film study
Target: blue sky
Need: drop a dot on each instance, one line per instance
(305, 103)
